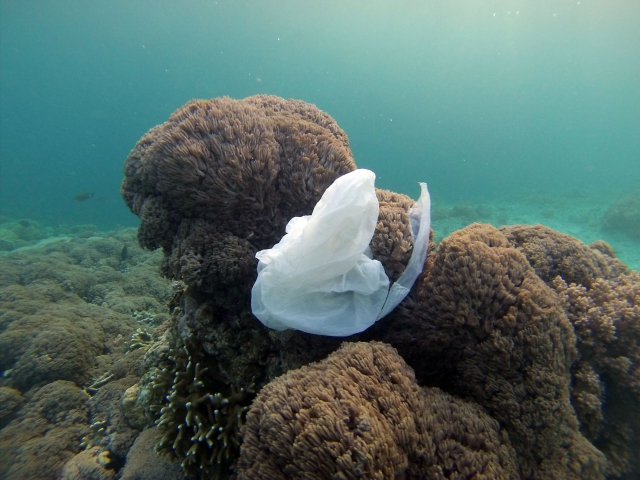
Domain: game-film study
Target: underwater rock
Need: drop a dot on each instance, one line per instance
(623, 216)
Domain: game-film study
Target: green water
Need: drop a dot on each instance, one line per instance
(490, 102)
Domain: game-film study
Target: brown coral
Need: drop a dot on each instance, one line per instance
(219, 180)
(552, 253)
(606, 379)
(487, 328)
(360, 414)
(89, 464)
(201, 418)
(45, 434)
(392, 243)
(143, 463)
(65, 312)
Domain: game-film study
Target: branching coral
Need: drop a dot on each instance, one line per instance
(606, 378)
(202, 416)
(360, 414)
(140, 339)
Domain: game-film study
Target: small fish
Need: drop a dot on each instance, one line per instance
(83, 196)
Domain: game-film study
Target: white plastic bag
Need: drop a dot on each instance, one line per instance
(320, 278)
(420, 217)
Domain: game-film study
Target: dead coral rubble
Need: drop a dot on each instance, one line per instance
(360, 414)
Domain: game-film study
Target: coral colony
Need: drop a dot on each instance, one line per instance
(515, 353)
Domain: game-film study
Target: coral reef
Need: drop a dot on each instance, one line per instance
(221, 178)
(524, 340)
(392, 243)
(200, 421)
(487, 328)
(106, 414)
(552, 253)
(143, 463)
(360, 414)
(45, 434)
(66, 310)
(606, 379)
(10, 401)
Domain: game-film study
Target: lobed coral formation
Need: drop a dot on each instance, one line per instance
(200, 421)
(606, 379)
(392, 242)
(45, 434)
(487, 328)
(221, 178)
(90, 464)
(552, 253)
(65, 312)
(360, 414)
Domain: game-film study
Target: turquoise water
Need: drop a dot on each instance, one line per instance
(490, 102)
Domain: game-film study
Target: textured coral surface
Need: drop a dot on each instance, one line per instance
(68, 311)
(606, 380)
(486, 327)
(523, 340)
(221, 178)
(360, 414)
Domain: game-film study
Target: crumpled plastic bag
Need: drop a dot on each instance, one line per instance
(420, 217)
(321, 277)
